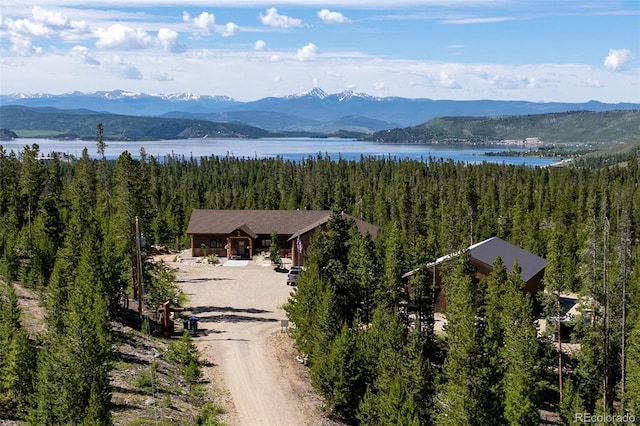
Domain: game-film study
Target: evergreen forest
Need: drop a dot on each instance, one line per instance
(67, 231)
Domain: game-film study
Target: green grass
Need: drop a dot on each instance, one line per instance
(122, 365)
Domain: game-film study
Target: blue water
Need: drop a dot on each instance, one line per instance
(294, 149)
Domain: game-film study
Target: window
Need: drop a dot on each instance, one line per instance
(266, 242)
(216, 243)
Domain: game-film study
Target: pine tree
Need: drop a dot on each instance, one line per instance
(104, 179)
(632, 388)
(421, 288)
(17, 357)
(177, 221)
(520, 354)
(624, 276)
(339, 375)
(60, 287)
(463, 392)
(17, 367)
(390, 291)
(387, 345)
(570, 405)
(302, 307)
(325, 298)
(10, 212)
(53, 204)
(31, 181)
(422, 353)
(82, 198)
(73, 370)
(274, 250)
(363, 270)
(555, 279)
(589, 370)
(495, 310)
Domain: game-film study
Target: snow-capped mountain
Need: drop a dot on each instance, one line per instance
(309, 111)
(316, 92)
(121, 101)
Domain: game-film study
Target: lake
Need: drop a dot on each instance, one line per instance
(294, 149)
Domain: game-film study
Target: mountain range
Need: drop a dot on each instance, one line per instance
(314, 111)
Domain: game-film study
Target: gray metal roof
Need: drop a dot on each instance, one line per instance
(488, 250)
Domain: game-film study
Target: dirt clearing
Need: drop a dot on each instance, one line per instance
(255, 374)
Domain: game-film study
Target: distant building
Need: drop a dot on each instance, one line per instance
(483, 255)
(243, 233)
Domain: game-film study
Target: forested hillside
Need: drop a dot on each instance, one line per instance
(67, 231)
(568, 127)
(74, 124)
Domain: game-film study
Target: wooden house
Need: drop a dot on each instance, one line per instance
(243, 233)
(483, 254)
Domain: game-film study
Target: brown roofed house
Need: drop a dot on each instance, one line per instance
(243, 233)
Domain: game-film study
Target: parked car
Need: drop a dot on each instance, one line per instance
(294, 274)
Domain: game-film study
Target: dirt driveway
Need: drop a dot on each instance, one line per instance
(254, 364)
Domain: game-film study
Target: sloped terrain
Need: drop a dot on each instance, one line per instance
(30, 122)
(569, 127)
(148, 386)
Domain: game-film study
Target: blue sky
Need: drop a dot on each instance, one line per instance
(542, 50)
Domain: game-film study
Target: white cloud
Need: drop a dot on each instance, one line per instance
(274, 19)
(48, 18)
(124, 69)
(23, 47)
(84, 56)
(203, 24)
(467, 21)
(229, 29)
(447, 82)
(168, 40)
(275, 58)
(332, 17)
(119, 36)
(45, 23)
(618, 59)
(77, 30)
(380, 85)
(516, 82)
(590, 82)
(25, 27)
(161, 76)
(260, 45)
(307, 53)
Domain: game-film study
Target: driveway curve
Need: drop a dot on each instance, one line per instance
(253, 364)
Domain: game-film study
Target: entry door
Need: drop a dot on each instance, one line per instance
(241, 248)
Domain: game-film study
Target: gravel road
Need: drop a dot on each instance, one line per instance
(254, 370)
